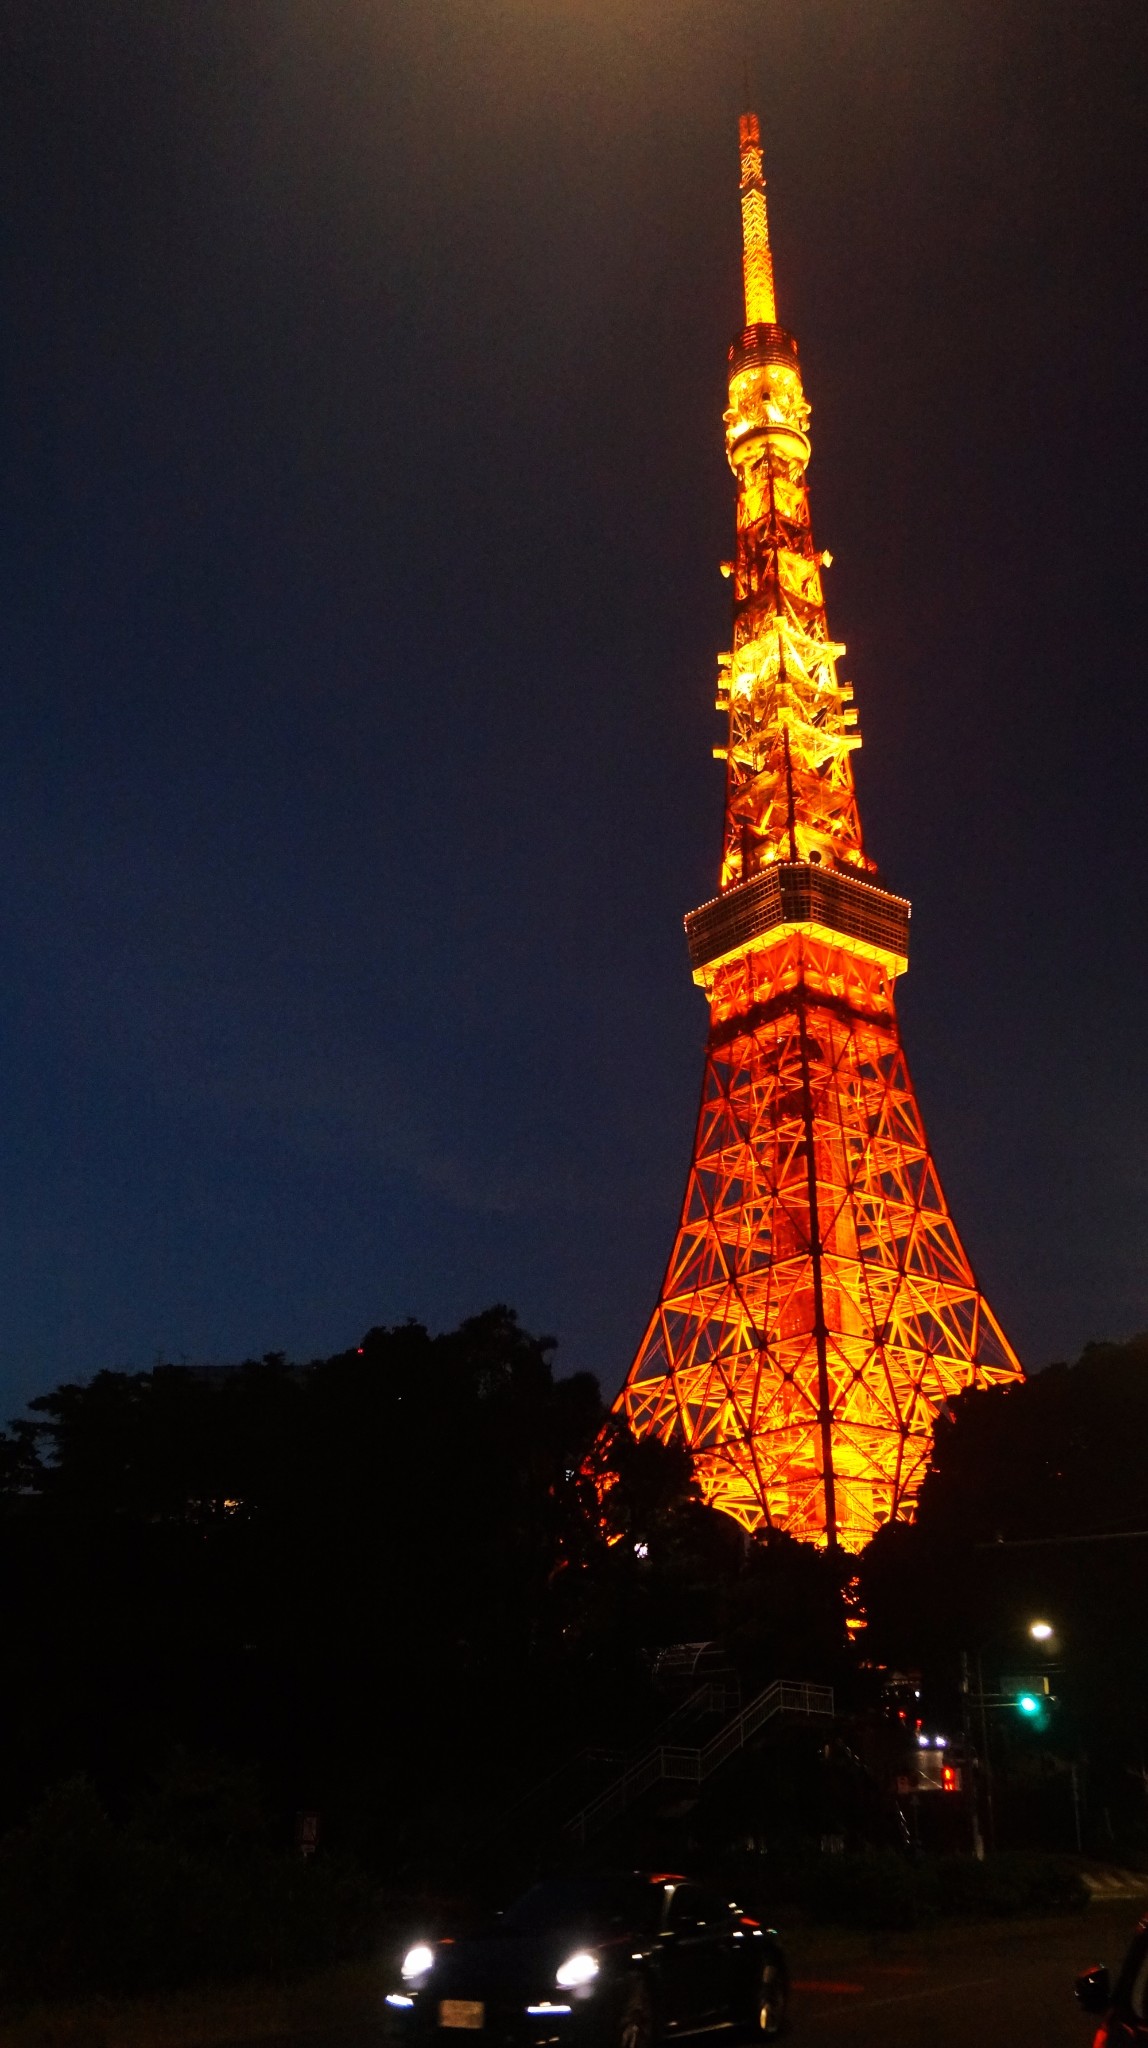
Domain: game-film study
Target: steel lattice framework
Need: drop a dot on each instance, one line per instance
(818, 1307)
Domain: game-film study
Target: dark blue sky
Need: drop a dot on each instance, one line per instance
(363, 494)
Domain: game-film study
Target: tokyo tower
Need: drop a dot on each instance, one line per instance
(818, 1307)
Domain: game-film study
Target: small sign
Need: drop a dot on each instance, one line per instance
(306, 1833)
(1039, 1687)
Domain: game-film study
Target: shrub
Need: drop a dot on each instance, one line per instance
(882, 1888)
(1009, 1884)
(879, 1890)
(86, 1907)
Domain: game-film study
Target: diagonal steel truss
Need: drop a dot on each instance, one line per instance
(818, 1307)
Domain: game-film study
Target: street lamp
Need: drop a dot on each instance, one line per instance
(1028, 1699)
(1044, 1632)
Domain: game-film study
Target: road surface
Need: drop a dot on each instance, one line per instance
(998, 1985)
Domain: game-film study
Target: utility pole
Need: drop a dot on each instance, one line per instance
(986, 1756)
(967, 1732)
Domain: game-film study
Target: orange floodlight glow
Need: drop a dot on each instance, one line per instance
(818, 1308)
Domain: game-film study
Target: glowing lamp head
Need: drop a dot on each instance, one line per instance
(418, 1962)
(1028, 1703)
(1040, 1631)
(579, 1969)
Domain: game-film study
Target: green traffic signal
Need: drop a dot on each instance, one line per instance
(1027, 1695)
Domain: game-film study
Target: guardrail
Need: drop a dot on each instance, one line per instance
(693, 1766)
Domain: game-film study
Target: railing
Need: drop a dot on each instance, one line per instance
(550, 1799)
(681, 1660)
(544, 1801)
(798, 892)
(716, 1696)
(693, 1766)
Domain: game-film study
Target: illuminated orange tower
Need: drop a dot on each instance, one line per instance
(818, 1306)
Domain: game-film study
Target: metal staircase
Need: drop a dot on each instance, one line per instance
(544, 1806)
(693, 1766)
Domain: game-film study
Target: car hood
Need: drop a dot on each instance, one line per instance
(506, 1961)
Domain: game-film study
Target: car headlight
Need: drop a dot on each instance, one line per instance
(580, 1968)
(417, 1961)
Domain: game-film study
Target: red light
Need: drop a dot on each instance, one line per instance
(950, 1778)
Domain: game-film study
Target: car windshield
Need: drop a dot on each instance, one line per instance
(587, 1905)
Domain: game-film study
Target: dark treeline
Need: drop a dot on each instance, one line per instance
(399, 1586)
(400, 1583)
(1036, 1507)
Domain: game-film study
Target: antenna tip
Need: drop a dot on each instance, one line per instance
(748, 130)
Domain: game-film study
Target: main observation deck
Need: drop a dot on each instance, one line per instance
(843, 910)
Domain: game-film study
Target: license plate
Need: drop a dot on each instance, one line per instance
(461, 2012)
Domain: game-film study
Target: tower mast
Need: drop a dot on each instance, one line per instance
(757, 258)
(818, 1307)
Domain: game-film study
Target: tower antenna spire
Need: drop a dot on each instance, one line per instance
(757, 258)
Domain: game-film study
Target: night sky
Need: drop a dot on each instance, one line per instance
(363, 493)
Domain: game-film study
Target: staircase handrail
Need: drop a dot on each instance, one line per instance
(714, 1695)
(679, 1762)
(592, 1753)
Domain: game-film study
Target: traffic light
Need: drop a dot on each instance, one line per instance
(1029, 1697)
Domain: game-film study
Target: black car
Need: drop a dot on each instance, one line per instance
(615, 1961)
(1125, 2004)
